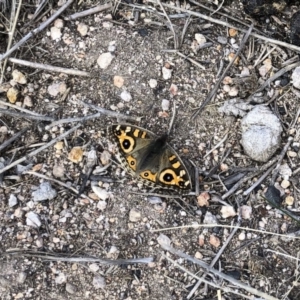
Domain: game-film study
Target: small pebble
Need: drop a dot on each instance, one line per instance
(246, 211)
(19, 77)
(203, 198)
(71, 288)
(242, 236)
(296, 78)
(125, 96)
(57, 88)
(33, 220)
(105, 157)
(21, 277)
(44, 192)
(27, 101)
(289, 200)
(101, 193)
(61, 278)
(222, 40)
(285, 184)
(292, 154)
(82, 29)
(134, 215)
(99, 282)
(227, 211)
(12, 201)
(59, 23)
(76, 155)
(153, 83)
(12, 95)
(94, 267)
(55, 33)
(105, 60)
(118, 81)
(167, 73)
(214, 241)
(209, 218)
(165, 104)
(232, 32)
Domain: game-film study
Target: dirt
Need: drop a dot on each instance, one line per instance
(73, 225)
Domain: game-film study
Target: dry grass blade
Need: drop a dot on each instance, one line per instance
(50, 256)
(35, 152)
(37, 30)
(90, 11)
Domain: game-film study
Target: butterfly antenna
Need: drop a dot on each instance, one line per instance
(173, 118)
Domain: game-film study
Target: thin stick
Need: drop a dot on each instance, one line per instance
(190, 60)
(11, 34)
(171, 25)
(13, 138)
(26, 116)
(62, 257)
(275, 76)
(280, 158)
(37, 30)
(162, 240)
(109, 112)
(246, 178)
(71, 120)
(214, 90)
(218, 21)
(90, 11)
(220, 252)
(35, 152)
(49, 67)
(19, 108)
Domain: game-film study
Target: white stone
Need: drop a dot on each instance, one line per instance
(12, 201)
(101, 193)
(105, 60)
(33, 220)
(296, 78)
(165, 104)
(55, 33)
(153, 83)
(61, 278)
(261, 131)
(167, 73)
(82, 29)
(125, 96)
(44, 192)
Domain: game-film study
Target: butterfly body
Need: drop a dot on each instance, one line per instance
(150, 158)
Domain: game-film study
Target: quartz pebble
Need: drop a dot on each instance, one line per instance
(33, 220)
(44, 192)
(61, 278)
(296, 78)
(167, 73)
(12, 201)
(104, 60)
(82, 29)
(125, 96)
(153, 83)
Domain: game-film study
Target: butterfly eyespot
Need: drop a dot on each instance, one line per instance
(132, 163)
(168, 177)
(126, 144)
(146, 174)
